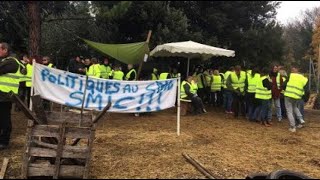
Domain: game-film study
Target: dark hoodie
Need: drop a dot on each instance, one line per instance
(275, 91)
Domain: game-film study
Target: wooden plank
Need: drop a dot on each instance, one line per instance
(90, 144)
(44, 169)
(69, 117)
(46, 131)
(76, 132)
(44, 152)
(68, 148)
(4, 168)
(102, 113)
(25, 109)
(198, 166)
(61, 143)
(39, 109)
(25, 162)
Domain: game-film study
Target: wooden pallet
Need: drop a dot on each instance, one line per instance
(58, 145)
(61, 160)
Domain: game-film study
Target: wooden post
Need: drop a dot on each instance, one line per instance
(198, 166)
(310, 79)
(141, 63)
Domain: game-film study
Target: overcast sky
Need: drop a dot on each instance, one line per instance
(290, 9)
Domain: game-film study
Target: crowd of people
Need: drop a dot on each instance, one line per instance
(249, 93)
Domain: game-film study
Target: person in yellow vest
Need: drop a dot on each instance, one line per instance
(227, 92)
(94, 69)
(28, 78)
(165, 75)
(236, 82)
(201, 83)
(174, 73)
(23, 90)
(216, 85)
(11, 71)
(263, 95)
(105, 69)
(47, 61)
(294, 89)
(117, 73)
(154, 74)
(187, 92)
(132, 73)
(251, 84)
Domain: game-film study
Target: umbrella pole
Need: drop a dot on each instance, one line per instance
(141, 63)
(188, 67)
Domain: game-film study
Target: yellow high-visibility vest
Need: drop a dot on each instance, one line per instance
(10, 81)
(261, 91)
(216, 83)
(182, 90)
(238, 82)
(118, 75)
(295, 86)
(105, 71)
(226, 76)
(163, 76)
(129, 74)
(29, 75)
(252, 82)
(154, 76)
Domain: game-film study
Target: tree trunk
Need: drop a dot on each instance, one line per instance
(34, 28)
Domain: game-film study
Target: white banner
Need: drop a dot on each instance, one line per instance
(126, 96)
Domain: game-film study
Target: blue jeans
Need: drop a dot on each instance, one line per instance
(227, 100)
(264, 110)
(277, 106)
(251, 105)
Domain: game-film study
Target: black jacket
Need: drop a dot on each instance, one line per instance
(74, 67)
(7, 66)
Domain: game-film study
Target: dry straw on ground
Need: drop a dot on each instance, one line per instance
(148, 147)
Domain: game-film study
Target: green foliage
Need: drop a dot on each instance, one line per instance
(246, 27)
(298, 38)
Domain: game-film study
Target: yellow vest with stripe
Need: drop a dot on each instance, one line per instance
(183, 91)
(129, 74)
(163, 76)
(208, 79)
(295, 86)
(118, 75)
(10, 81)
(216, 83)
(262, 92)
(238, 82)
(252, 82)
(226, 76)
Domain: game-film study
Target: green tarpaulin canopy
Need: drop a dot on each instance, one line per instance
(131, 53)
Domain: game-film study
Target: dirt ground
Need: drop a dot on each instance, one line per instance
(148, 146)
